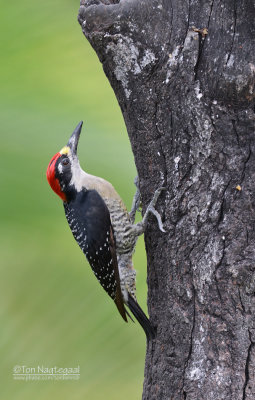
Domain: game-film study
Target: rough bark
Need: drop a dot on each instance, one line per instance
(183, 73)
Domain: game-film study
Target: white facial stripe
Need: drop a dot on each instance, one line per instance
(60, 168)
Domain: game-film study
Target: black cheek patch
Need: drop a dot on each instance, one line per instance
(66, 175)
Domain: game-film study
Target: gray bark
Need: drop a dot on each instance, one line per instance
(183, 74)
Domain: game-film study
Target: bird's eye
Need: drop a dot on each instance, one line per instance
(65, 161)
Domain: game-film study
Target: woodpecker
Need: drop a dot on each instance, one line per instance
(102, 227)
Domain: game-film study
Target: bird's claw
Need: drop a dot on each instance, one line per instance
(157, 215)
(151, 208)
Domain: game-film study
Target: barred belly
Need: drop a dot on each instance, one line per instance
(124, 233)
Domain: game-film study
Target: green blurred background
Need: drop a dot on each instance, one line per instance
(53, 311)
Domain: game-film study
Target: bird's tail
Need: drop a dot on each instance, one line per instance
(141, 317)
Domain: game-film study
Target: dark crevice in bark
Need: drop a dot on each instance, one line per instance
(222, 206)
(247, 366)
(235, 130)
(218, 265)
(200, 49)
(190, 341)
(234, 33)
(210, 14)
(202, 38)
(221, 213)
(245, 164)
(241, 301)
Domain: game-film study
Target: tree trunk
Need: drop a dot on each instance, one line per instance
(183, 73)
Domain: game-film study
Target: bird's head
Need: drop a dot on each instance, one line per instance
(64, 165)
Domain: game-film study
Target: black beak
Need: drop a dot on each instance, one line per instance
(74, 139)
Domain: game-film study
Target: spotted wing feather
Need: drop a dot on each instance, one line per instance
(90, 223)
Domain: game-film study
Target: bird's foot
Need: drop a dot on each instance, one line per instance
(151, 209)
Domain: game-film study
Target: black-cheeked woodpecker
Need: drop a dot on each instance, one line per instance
(102, 227)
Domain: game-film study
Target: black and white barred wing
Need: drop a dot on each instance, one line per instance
(89, 220)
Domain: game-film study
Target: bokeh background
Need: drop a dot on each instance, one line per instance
(53, 312)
